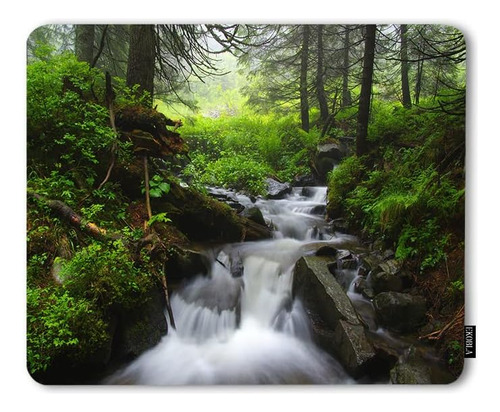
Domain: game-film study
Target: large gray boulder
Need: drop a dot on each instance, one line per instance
(277, 190)
(400, 312)
(334, 319)
(330, 153)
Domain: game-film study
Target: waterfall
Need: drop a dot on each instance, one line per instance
(248, 329)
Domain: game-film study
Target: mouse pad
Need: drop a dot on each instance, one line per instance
(246, 204)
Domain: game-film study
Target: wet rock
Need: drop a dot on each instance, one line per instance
(391, 267)
(349, 264)
(360, 284)
(183, 263)
(362, 271)
(306, 180)
(140, 329)
(328, 155)
(352, 346)
(202, 218)
(277, 190)
(339, 225)
(368, 293)
(254, 214)
(318, 210)
(370, 262)
(404, 373)
(388, 254)
(325, 298)
(326, 251)
(306, 192)
(343, 254)
(400, 312)
(385, 282)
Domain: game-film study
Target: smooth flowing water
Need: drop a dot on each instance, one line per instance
(247, 328)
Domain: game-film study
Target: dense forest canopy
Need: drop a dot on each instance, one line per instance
(120, 118)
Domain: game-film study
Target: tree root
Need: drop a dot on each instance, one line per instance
(438, 334)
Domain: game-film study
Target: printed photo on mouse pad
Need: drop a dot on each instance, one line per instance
(246, 204)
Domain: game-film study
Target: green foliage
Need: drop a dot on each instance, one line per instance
(59, 323)
(425, 242)
(240, 152)
(455, 352)
(341, 181)
(400, 195)
(64, 124)
(160, 217)
(237, 172)
(106, 275)
(157, 187)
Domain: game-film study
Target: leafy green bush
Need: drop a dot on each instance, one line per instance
(403, 200)
(341, 181)
(106, 275)
(240, 152)
(237, 172)
(65, 125)
(59, 323)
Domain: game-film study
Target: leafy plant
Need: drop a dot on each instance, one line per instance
(160, 217)
(105, 275)
(58, 322)
(157, 187)
(455, 352)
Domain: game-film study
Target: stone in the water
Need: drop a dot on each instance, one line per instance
(368, 293)
(277, 190)
(254, 214)
(343, 334)
(326, 251)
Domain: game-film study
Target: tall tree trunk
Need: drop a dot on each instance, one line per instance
(304, 57)
(418, 84)
(141, 58)
(320, 84)
(346, 94)
(84, 42)
(366, 90)
(405, 85)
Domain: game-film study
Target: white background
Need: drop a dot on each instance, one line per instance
(477, 383)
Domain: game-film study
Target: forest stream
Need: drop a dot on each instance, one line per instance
(243, 323)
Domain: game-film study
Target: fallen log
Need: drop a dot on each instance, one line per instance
(63, 211)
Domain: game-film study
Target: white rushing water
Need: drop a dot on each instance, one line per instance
(248, 329)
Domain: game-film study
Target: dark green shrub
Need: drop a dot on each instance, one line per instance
(58, 323)
(106, 275)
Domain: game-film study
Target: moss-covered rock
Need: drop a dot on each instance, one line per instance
(202, 218)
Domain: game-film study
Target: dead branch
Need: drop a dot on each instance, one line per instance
(74, 219)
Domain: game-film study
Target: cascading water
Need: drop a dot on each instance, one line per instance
(246, 329)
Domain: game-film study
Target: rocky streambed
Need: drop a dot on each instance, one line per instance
(306, 303)
(365, 312)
